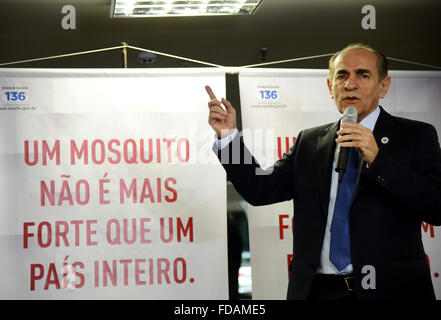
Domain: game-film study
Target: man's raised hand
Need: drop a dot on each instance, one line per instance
(223, 121)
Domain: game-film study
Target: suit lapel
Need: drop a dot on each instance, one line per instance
(325, 156)
(384, 134)
(384, 130)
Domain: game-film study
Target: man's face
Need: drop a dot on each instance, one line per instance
(356, 82)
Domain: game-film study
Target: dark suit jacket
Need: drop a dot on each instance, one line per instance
(393, 196)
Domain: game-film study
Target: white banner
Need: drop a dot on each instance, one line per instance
(109, 188)
(276, 105)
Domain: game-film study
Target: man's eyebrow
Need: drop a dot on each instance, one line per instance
(360, 71)
(357, 71)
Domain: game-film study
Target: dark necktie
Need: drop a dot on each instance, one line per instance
(340, 250)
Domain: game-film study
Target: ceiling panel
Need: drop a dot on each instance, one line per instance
(408, 30)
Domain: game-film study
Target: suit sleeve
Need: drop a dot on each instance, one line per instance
(256, 185)
(418, 186)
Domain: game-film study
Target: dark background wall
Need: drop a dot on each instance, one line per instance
(405, 29)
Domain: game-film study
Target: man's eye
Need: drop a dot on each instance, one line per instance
(365, 76)
(339, 76)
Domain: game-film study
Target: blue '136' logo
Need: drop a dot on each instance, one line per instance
(269, 94)
(12, 96)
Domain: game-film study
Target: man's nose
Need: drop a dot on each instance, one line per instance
(351, 82)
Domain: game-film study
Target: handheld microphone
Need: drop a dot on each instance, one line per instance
(349, 115)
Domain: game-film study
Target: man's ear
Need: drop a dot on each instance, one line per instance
(331, 93)
(384, 86)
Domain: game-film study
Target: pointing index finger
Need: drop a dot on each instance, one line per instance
(210, 92)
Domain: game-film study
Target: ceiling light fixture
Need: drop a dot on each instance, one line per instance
(173, 8)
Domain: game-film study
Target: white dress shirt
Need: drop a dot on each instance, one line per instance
(326, 265)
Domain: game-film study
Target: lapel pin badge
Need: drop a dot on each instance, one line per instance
(384, 140)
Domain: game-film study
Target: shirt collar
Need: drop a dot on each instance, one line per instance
(371, 119)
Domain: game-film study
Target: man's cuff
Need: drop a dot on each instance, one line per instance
(222, 143)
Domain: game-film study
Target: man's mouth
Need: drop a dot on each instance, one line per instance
(351, 99)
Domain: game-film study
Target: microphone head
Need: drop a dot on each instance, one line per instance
(350, 115)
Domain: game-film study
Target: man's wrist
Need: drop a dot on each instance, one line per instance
(223, 142)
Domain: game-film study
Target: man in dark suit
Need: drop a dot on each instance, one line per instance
(370, 247)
